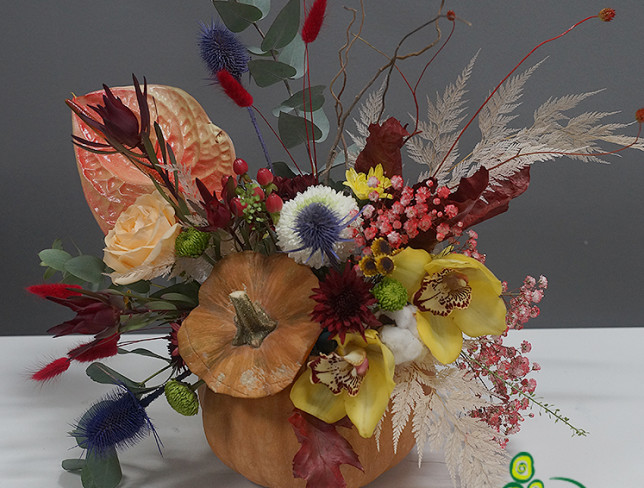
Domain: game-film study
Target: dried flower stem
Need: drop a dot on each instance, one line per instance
(544, 406)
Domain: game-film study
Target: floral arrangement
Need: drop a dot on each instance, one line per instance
(350, 294)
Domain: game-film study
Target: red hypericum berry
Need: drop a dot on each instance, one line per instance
(237, 207)
(264, 177)
(52, 370)
(639, 115)
(273, 203)
(240, 167)
(607, 14)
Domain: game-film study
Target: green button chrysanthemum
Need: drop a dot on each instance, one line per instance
(191, 243)
(181, 398)
(391, 294)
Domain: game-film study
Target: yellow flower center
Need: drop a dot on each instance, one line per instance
(442, 292)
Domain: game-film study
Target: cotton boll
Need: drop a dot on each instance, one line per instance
(405, 318)
(402, 343)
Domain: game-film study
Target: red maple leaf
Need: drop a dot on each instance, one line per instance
(322, 451)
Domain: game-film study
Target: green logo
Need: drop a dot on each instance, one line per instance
(522, 472)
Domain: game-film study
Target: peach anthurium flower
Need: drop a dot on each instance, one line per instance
(355, 380)
(454, 294)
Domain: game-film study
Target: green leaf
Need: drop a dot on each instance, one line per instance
(266, 72)
(73, 464)
(293, 131)
(302, 99)
(87, 268)
(107, 376)
(293, 55)
(284, 27)
(143, 352)
(237, 16)
(321, 122)
(49, 272)
(136, 322)
(161, 305)
(179, 297)
(102, 471)
(141, 286)
(54, 258)
(187, 288)
(280, 168)
(263, 5)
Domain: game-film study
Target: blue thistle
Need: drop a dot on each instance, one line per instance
(117, 421)
(220, 49)
(319, 229)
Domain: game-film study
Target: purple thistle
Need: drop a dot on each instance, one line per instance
(117, 421)
(220, 49)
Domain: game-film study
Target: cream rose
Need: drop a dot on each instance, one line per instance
(141, 243)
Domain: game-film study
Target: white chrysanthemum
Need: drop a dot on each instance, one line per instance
(316, 227)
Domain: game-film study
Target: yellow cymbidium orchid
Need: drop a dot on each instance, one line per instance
(454, 294)
(363, 184)
(356, 380)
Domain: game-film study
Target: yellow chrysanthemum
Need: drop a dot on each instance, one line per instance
(454, 294)
(362, 185)
(356, 380)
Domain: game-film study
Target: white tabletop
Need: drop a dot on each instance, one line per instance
(595, 376)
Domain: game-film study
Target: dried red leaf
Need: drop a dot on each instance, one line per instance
(383, 147)
(322, 452)
(52, 370)
(497, 198)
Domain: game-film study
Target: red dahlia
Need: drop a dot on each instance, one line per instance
(343, 301)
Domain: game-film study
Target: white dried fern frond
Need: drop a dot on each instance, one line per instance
(444, 116)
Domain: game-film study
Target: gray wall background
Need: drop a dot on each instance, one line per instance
(579, 224)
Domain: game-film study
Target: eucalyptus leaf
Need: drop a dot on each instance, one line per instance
(48, 274)
(266, 72)
(105, 375)
(87, 268)
(187, 288)
(293, 55)
(141, 286)
(102, 471)
(73, 464)
(321, 122)
(237, 16)
(143, 352)
(305, 99)
(54, 258)
(294, 130)
(280, 168)
(284, 28)
(263, 5)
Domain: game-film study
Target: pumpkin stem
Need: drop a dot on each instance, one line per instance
(253, 323)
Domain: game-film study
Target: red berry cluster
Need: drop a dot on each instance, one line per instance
(422, 212)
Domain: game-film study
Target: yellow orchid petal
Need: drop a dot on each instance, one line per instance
(317, 399)
(475, 270)
(485, 314)
(367, 408)
(441, 336)
(410, 268)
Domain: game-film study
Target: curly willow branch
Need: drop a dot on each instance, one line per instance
(342, 119)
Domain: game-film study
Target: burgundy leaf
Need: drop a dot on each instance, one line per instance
(383, 147)
(322, 452)
(498, 198)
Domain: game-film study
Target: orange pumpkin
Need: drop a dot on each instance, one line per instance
(252, 331)
(254, 437)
